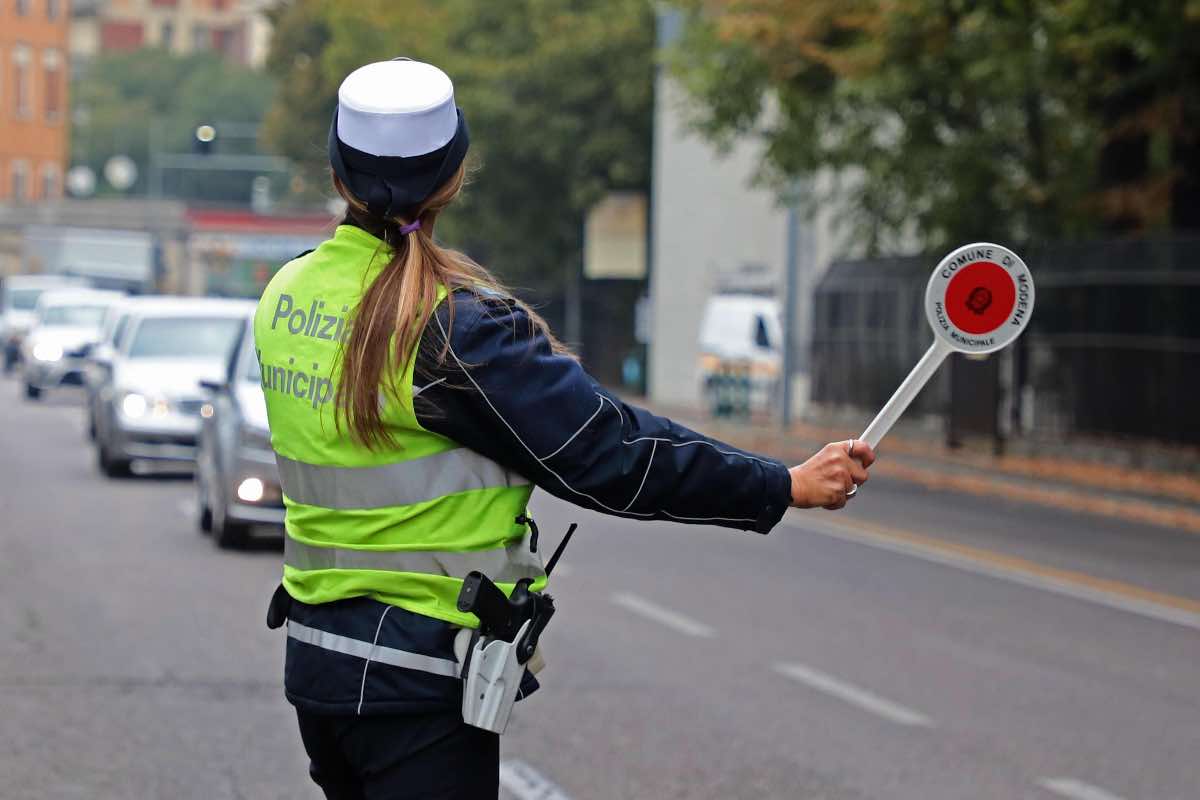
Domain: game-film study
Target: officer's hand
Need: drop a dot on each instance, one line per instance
(825, 478)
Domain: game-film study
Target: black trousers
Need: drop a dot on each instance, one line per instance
(398, 757)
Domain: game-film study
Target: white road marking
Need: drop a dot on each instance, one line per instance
(526, 783)
(663, 616)
(1076, 790)
(186, 507)
(1133, 605)
(853, 695)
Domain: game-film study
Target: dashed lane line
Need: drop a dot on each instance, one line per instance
(526, 783)
(663, 616)
(854, 695)
(1077, 585)
(1076, 790)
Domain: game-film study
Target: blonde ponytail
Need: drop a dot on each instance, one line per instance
(391, 317)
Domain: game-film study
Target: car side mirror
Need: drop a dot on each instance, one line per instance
(213, 386)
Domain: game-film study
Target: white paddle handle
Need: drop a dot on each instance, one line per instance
(908, 391)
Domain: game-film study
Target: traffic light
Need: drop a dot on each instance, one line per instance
(206, 136)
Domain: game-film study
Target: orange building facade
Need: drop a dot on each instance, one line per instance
(34, 108)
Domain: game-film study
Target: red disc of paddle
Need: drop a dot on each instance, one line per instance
(980, 297)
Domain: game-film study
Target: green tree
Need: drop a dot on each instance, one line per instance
(557, 94)
(127, 103)
(957, 119)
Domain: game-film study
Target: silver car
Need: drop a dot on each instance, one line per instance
(19, 295)
(67, 324)
(237, 482)
(149, 407)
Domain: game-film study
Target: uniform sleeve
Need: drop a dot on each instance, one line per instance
(501, 391)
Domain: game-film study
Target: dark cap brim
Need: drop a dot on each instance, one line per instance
(390, 185)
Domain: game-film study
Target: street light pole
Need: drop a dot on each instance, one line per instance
(791, 282)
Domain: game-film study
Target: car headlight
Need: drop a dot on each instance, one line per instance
(134, 405)
(251, 490)
(47, 351)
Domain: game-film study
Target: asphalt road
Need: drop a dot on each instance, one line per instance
(918, 646)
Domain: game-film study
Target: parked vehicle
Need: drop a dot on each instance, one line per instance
(18, 309)
(67, 323)
(741, 355)
(149, 406)
(237, 481)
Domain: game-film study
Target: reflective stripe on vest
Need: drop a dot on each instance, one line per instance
(399, 484)
(502, 564)
(371, 652)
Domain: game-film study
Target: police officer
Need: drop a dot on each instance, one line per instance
(414, 404)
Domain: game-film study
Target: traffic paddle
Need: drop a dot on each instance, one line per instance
(978, 300)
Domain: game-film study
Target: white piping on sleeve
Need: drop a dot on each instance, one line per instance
(709, 519)
(418, 389)
(517, 436)
(599, 408)
(698, 441)
(646, 474)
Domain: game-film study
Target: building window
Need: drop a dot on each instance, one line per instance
(52, 91)
(21, 7)
(201, 38)
(20, 181)
(53, 7)
(22, 82)
(51, 182)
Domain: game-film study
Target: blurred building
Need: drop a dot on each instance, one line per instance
(713, 230)
(33, 99)
(237, 29)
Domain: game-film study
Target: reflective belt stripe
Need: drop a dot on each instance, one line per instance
(365, 650)
(400, 484)
(503, 564)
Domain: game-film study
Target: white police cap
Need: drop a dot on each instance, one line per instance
(397, 134)
(397, 108)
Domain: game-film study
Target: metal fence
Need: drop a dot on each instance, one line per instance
(1113, 348)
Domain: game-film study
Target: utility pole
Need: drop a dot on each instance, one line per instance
(791, 291)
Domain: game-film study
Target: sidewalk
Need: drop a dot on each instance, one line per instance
(1140, 496)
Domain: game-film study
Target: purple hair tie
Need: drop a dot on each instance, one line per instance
(410, 227)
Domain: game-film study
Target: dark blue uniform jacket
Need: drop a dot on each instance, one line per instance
(500, 390)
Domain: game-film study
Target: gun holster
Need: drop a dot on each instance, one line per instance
(509, 628)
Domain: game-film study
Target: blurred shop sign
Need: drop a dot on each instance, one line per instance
(614, 239)
(107, 256)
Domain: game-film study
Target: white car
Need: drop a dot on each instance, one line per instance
(148, 409)
(18, 309)
(67, 323)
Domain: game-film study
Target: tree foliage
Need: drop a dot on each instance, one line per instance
(557, 95)
(127, 103)
(959, 119)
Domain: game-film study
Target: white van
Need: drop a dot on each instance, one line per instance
(741, 354)
(18, 308)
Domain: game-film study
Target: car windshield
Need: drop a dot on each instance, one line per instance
(24, 299)
(83, 316)
(183, 337)
(118, 329)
